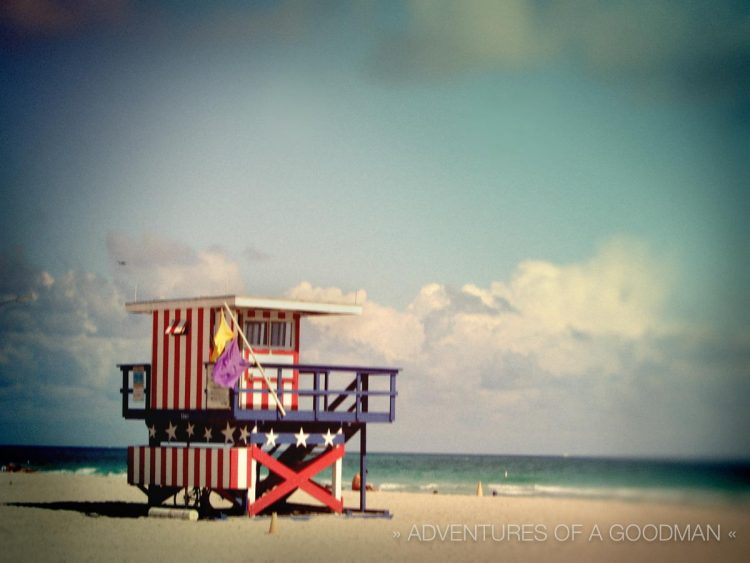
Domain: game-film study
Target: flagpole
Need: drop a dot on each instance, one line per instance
(255, 359)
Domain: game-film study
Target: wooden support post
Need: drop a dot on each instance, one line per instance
(363, 468)
(279, 387)
(251, 491)
(336, 479)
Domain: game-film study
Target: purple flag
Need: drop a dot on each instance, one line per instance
(230, 365)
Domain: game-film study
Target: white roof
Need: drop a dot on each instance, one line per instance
(240, 302)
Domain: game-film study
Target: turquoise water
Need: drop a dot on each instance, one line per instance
(85, 461)
(560, 476)
(630, 479)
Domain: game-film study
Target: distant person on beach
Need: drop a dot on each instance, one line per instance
(357, 484)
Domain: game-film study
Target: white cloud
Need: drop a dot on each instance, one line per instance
(163, 268)
(71, 335)
(562, 320)
(383, 333)
(432, 297)
(306, 292)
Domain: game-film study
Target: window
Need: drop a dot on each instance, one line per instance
(281, 334)
(255, 331)
(270, 334)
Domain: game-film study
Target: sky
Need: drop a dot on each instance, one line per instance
(541, 206)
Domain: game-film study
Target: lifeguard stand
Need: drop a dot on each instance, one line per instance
(204, 438)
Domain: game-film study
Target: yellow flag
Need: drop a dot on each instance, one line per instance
(223, 335)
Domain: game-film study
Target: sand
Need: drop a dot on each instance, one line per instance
(63, 517)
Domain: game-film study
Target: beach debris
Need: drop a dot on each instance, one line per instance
(480, 492)
(16, 468)
(173, 513)
(273, 528)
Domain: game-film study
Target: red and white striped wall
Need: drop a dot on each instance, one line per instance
(224, 468)
(233, 469)
(178, 357)
(252, 378)
(177, 360)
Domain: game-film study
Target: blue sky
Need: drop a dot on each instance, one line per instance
(440, 158)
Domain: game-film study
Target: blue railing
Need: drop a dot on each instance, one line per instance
(324, 393)
(350, 403)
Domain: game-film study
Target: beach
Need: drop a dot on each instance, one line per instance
(68, 517)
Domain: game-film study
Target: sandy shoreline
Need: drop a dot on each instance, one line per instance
(63, 517)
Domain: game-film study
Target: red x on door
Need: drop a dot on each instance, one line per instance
(298, 480)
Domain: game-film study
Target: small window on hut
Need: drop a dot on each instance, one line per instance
(281, 334)
(255, 331)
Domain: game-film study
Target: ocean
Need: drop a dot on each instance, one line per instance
(501, 475)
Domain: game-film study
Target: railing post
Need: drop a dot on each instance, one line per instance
(147, 406)
(325, 398)
(125, 390)
(279, 390)
(392, 410)
(316, 390)
(322, 384)
(358, 396)
(365, 396)
(236, 396)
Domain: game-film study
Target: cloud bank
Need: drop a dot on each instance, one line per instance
(58, 354)
(160, 268)
(579, 358)
(551, 313)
